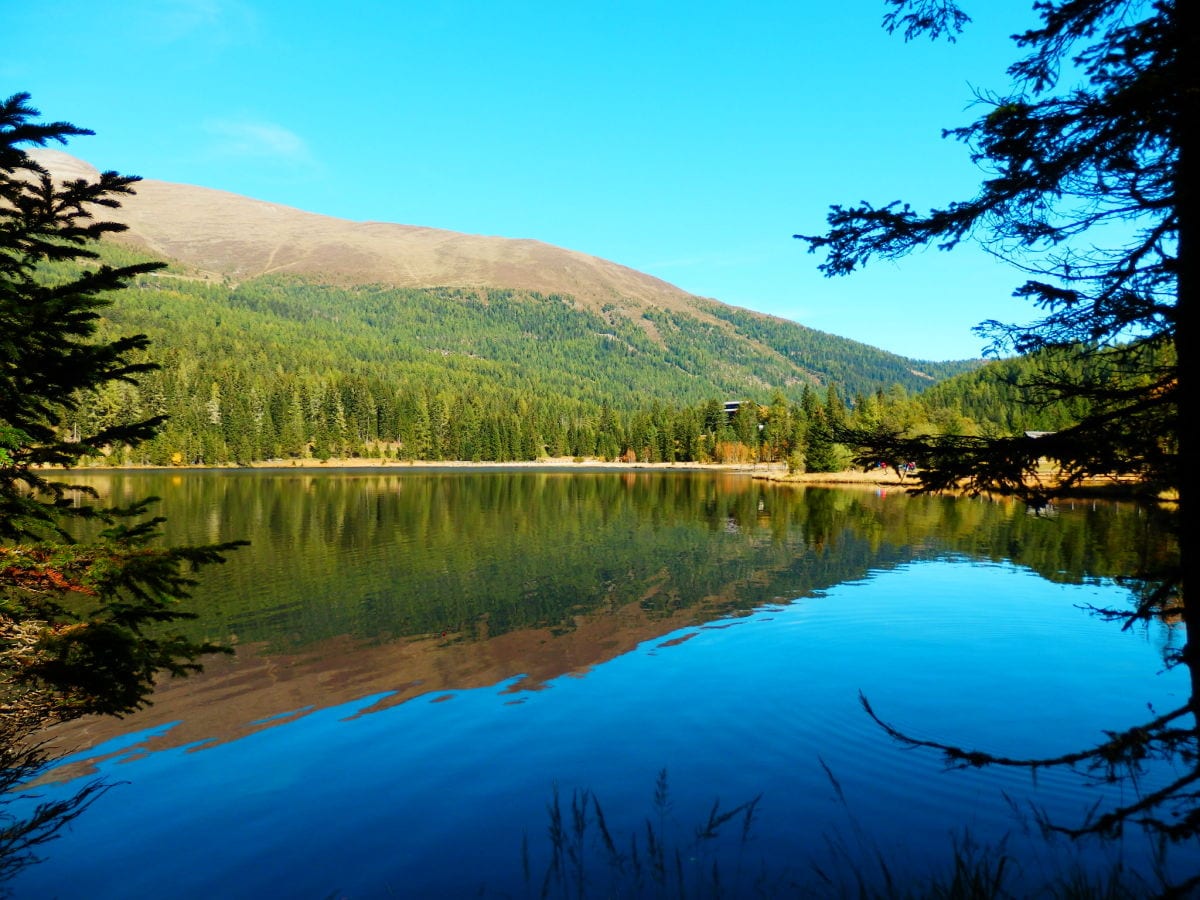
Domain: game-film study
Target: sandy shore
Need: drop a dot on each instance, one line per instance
(565, 462)
(562, 462)
(874, 479)
(765, 471)
(886, 478)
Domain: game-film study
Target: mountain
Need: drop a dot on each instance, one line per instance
(323, 320)
(218, 232)
(222, 233)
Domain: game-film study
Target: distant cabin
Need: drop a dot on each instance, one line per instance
(732, 407)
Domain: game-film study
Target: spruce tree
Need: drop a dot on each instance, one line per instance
(1091, 189)
(84, 623)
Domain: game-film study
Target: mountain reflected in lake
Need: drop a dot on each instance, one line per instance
(422, 656)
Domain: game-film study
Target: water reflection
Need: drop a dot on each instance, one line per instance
(421, 657)
(404, 585)
(384, 556)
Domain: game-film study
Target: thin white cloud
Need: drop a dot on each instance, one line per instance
(258, 140)
(221, 21)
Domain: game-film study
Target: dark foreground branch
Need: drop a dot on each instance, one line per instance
(1171, 811)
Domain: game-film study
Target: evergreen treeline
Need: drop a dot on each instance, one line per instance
(280, 368)
(1026, 393)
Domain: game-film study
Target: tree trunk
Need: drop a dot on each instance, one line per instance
(1186, 22)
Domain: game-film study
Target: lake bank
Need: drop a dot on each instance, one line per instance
(768, 471)
(774, 472)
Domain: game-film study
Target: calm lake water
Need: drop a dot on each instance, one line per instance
(425, 658)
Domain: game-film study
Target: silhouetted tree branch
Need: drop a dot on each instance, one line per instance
(1090, 189)
(84, 623)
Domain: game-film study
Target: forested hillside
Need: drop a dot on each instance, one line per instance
(286, 334)
(1010, 396)
(284, 367)
(281, 366)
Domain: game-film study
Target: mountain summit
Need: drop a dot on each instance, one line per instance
(228, 234)
(284, 334)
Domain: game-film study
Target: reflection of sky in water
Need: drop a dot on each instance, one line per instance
(432, 798)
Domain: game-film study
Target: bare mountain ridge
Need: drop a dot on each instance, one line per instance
(239, 237)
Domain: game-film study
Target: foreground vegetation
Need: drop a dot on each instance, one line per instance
(1090, 188)
(84, 624)
(716, 858)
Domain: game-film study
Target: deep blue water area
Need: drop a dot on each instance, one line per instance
(743, 683)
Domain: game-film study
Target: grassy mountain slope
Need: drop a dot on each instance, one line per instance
(372, 293)
(284, 333)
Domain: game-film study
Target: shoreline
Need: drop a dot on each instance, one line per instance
(775, 473)
(353, 463)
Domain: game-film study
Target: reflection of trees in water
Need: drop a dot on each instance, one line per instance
(1135, 548)
(383, 555)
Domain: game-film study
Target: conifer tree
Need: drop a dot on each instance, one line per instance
(84, 623)
(1091, 188)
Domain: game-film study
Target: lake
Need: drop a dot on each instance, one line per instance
(425, 660)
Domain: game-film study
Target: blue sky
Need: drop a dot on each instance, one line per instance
(687, 140)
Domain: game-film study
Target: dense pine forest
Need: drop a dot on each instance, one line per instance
(279, 368)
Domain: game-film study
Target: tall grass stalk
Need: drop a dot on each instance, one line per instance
(586, 861)
(663, 860)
